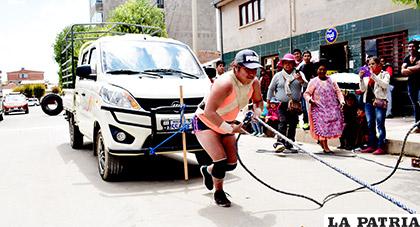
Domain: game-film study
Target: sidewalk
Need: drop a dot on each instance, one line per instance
(396, 130)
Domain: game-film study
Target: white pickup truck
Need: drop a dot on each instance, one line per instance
(126, 97)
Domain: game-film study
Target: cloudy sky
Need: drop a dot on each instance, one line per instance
(28, 29)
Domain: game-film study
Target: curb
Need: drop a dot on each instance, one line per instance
(393, 146)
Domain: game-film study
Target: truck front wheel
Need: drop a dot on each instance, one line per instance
(109, 166)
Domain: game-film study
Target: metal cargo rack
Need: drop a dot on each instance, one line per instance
(82, 33)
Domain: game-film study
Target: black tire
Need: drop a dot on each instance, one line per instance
(1, 116)
(52, 98)
(203, 158)
(76, 137)
(27, 111)
(109, 166)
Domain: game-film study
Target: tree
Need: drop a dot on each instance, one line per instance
(408, 2)
(28, 90)
(55, 90)
(31, 90)
(39, 90)
(132, 12)
(60, 44)
(139, 12)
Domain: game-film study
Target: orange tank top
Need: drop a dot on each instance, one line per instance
(233, 103)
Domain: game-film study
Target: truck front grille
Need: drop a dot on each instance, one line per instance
(149, 104)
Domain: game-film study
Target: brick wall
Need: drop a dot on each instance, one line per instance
(31, 75)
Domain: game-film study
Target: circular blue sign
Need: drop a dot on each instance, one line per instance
(331, 35)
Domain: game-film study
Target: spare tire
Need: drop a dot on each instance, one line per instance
(48, 101)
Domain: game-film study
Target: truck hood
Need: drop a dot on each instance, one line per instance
(166, 87)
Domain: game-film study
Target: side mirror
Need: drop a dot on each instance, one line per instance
(84, 71)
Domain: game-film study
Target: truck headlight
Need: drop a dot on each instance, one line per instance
(118, 97)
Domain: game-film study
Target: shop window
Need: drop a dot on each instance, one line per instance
(389, 46)
(251, 11)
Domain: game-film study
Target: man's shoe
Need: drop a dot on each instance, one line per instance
(349, 148)
(278, 148)
(305, 126)
(220, 199)
(260, 135)
(379, 151)
(389, 116)
(417, 130)
(207, 178)
(294, 150)
(368, 150)
(341, 147)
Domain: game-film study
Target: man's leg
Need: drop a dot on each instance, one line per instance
(414, 94)
(282, 127)
(212, 144)
(293, 120)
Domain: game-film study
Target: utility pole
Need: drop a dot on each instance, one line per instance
(292, 22)
(194, 25)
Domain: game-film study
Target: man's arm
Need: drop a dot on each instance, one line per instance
(258, 103)
(414, 68)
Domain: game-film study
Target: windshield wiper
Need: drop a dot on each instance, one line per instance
(151, 74)
(122, 71)
(131, 72)
(171, 71)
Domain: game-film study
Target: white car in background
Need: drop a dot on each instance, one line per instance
(33, 102)
(347, 81)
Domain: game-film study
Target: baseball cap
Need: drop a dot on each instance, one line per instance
(248, 58)
(274, 100)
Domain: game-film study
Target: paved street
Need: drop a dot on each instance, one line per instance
(46, 183)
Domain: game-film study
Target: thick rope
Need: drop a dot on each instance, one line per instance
(184, 127)
(364, 184)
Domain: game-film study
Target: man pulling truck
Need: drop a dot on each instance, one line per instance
(214, 122)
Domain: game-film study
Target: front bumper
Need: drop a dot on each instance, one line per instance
(10, 109)
(148, 130)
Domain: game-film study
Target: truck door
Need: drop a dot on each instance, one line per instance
(85, 92)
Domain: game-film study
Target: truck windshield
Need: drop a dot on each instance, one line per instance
(143, 56)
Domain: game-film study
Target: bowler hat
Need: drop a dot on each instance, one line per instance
(288, 57)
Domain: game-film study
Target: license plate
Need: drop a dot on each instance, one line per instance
(174, 124)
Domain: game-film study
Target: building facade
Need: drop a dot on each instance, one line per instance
(178, 15)
(24, 75)
(342, 31)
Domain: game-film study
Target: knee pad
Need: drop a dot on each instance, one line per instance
(230, 166)
(219, 169)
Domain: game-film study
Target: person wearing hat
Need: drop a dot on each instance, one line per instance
(326, 102)
(272, 117)
(286, 86)
(214, 122)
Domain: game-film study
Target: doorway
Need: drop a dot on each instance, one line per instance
(336, 56)
(270, 63)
